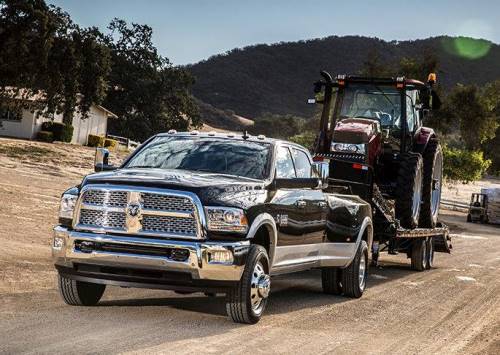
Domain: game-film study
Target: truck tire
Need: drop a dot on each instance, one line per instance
(431, 190)
(79, 293)
(330, 280)
(469, 218)
(419, 254)
(247, 301)
(354, 276)
(409, 190)
(430, 253)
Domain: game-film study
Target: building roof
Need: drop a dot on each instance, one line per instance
(25, 94)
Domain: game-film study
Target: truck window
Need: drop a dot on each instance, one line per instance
(302, 164)
(284, 164)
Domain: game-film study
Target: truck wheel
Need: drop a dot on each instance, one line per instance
(469, 218)
(409, 190)
(430, 253)
(431, 190)
(354, 276)
(79, 293)
(246, 302)
(419, 254)
(330, 280)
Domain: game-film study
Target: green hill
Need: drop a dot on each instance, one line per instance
(278, 78)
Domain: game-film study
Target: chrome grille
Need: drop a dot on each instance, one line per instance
(169, 224)
(168, 203)
(105, 198)
(98, 218)
(139, 211)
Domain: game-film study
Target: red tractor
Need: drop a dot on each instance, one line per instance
(372, 134)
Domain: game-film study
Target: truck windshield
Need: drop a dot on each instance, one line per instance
(210, 155)
(382, 103)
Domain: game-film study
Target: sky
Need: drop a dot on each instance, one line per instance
(187, 31)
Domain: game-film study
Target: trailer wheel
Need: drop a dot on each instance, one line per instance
(79, 293)
(247, 301)
(330, 280)
(409, 190)
(419, 254)
(354, 276)
(431, 190)
(430, 253)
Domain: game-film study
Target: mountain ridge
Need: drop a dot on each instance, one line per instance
(277, 78)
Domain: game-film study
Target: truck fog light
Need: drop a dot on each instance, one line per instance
(220, 257)
(58, 243)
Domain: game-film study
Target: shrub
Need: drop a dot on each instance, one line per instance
(45, 136)
(62, 132)
(110, 143)
(464, 165)
(47, 126)
(305, 139)
(95, 141)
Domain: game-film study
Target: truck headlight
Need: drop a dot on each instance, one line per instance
(348, 148)
(226, 219)
(68, 202)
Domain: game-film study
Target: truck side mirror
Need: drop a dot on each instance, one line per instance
(322, 170)
(101, 160)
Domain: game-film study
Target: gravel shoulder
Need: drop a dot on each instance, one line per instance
(454, 308)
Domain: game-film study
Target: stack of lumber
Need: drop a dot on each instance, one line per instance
(493, 204)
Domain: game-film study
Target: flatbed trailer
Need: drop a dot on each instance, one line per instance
(419, 244)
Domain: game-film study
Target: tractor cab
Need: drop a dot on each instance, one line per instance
(478, 208)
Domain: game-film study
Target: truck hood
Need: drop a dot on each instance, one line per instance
(355, 130)
(212, 189)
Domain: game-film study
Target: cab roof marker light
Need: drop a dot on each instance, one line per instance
(211, 133)
(261, 137)
(172, 131)
(194, 133)
(230, 135)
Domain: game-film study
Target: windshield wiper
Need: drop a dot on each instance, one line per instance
(385, 95)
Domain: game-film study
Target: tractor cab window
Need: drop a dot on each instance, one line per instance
(377, 102)
(411, 115)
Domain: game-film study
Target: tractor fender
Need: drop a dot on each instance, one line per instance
(421, 138)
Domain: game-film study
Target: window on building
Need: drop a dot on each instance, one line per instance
(7, 114)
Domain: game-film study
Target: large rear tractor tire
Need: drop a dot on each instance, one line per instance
(431, 190)
(409, 190)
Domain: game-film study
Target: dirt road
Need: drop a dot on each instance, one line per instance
(454, 308)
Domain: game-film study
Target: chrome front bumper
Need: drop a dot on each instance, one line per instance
(197, 264)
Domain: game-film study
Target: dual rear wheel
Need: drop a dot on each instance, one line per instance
(350, 281)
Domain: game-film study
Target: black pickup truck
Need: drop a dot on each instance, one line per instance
(211, 213)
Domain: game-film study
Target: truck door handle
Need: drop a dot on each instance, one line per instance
(301, 204)
(321, 204)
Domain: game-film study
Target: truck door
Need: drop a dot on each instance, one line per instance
(315, 209)
(287, 204)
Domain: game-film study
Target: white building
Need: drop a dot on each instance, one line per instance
(27, 124)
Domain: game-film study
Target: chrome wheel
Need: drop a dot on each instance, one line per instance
(260, 287)
(437, 176)
(362, 272)
(417, 195)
